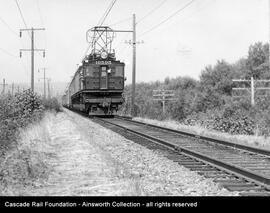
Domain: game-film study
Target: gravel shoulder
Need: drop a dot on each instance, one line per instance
(81, 158)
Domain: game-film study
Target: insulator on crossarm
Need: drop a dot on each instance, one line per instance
(43, 54)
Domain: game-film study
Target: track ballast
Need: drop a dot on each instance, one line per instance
(237, 168)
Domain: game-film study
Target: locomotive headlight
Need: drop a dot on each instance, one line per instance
(104, 55)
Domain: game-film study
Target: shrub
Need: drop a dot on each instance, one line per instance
(231, 119)
(17, 112)
(52, 104)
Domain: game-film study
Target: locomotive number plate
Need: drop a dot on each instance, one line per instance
(103, 62)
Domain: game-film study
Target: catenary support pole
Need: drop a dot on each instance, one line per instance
(133, 67)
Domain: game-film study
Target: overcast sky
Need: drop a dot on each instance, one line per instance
(199, 35)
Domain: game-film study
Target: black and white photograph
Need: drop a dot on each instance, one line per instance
(134, 103)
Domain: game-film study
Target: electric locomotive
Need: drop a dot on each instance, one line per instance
(98, 84)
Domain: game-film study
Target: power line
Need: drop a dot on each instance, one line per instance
(12, 31)
(121, 21)
(6, 24)
(42, 24)
(171, 16)
(152, 11)
(199, 9)
(106, 13)
(14, 56)
(8, 53)
(101, 21)
(21, 14)
(40, 15)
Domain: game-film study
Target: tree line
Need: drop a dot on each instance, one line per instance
(211, 102)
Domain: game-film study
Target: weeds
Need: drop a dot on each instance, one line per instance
(18, 112)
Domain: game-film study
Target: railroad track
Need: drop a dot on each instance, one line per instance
(235, 167)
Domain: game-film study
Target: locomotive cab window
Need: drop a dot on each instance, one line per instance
(103, 71)
(89, 71)
(103, 78)
(119, 71)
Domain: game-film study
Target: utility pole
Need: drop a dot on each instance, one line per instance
(252, 89)
(32, 52)
(163, 96)
(49, 90)
(44, 81)
(4, 86)
(134, 42)
(269, 32)
(12, 89)
(133, 66)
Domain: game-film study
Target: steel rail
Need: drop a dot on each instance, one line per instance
(196, 136)
(240, 172)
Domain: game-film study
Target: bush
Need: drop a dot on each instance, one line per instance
(17, 112)
(52, 104)
(232, 119)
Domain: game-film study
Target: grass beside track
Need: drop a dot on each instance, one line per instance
(255, 141)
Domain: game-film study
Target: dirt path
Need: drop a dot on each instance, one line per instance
(77, 167)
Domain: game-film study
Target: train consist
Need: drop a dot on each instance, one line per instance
(97, 85)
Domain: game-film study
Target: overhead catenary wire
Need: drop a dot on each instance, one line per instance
(8, 53)
(15, 57)
(120, 22)
(8, 27)
(102, 20)
(151, 11)
(21, 14)
(42, 24)
(169, 17)
(23, 19)
(141, 19)
(40, 14)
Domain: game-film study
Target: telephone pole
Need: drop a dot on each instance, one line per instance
(33, 49)
(133, 66)
(12, 89)
(134, 42)
(49, 89)
(269, 32)
(44, 81)
(4, 86)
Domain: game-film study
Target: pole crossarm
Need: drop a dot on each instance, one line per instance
(241, 80)
(163, 96)
(43, 50)
(32, 29)
(266, 81)
(263, 88)
(167, 99)
(240, 89)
